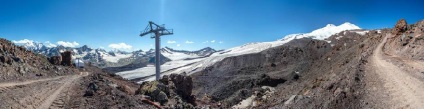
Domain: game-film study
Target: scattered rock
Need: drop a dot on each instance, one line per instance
(165, 79)
(6, 59)
(126, 89)
(88, 93)
(266, 80)
(113, 85)
(17, 59)
(273, 65)
(93, 87)
(290, 100)
(22, 70)
(3, 59)
(293, 99)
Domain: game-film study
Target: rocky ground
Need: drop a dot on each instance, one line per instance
(18, 64)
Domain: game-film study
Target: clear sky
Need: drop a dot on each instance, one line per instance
(100, 23)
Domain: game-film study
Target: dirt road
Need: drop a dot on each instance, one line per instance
(10, 84)
(390, 86)
(38, 94)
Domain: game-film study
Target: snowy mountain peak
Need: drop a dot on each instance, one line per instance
(29, 44)
(324, 32)
(349, 24)
(330, 25)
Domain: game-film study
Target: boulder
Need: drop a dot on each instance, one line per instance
(126, 89)
(400, 27)
(55, 60)
(88, 93)
(3, 59)
(165, 79)
(183, 87)
(91, 89)
(66, 58)
(266, 80)
(155, 90)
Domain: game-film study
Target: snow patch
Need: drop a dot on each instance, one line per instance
(115, 58)
(362, 32)
(338, 37)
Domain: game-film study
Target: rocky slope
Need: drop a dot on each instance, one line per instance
(407, 40)
(29, 80)
(308, 73)
(17, 63)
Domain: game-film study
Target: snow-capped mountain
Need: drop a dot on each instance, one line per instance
(30, 45)
(178, 65)
(324, 32)
(114, 58)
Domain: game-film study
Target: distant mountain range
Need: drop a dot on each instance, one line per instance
(116, 58)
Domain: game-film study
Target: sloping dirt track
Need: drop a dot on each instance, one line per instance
(11, 84)
(391, 86)
(39, 94)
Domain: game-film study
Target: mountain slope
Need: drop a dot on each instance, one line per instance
(16, 63)
(304, 73)
(350, 70)
(202, 63)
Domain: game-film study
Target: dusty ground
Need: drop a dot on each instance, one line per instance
(35, 93)
(68, 92)
(401, 89)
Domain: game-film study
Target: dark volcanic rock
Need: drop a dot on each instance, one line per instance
(184, 86)
(55, 60)
(266, 80)
(66, 58)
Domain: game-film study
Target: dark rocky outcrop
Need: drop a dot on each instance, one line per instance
(155, 90)
(55, 60)
(183, 86)
(400, 27)
(66, 58)
(174, 87)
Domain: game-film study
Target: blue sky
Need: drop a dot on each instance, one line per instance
(100, 23)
